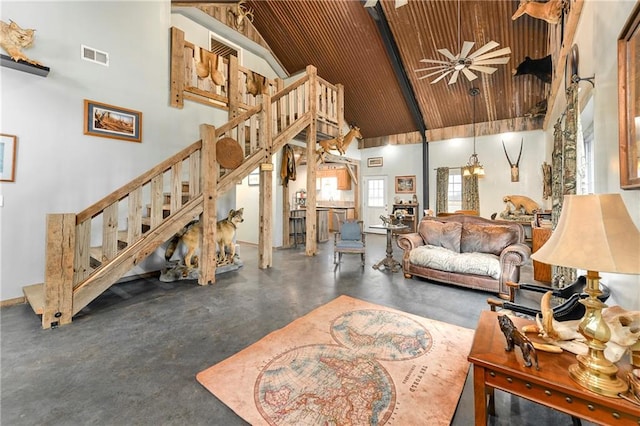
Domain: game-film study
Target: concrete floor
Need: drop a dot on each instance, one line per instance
(130, 357)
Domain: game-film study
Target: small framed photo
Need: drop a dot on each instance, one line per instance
(8, 147)
(406, 184)
(254, 178)
(374, 162)
(109, 121)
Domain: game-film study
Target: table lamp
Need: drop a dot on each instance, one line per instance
(595, 233)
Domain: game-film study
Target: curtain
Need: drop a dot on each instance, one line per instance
(442, 189)
(470, 194)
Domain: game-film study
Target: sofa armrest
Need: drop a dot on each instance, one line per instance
(511, 259)
(408, 242)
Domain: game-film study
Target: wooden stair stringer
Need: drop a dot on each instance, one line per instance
(107, 275)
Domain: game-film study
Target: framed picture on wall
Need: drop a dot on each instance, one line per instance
(254, 178)
(109, 121)
(406, 184)
(374, 162)
(8, 145)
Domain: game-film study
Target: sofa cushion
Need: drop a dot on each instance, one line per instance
(446, 260)
(441, 234)
(486, 238)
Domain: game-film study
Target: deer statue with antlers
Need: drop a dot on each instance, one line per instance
(515, 167)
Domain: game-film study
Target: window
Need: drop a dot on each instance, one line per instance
(588, 161)
(327, 188)
(455, 190)
(375, 192)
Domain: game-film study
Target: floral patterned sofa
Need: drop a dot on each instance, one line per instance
(467, 251)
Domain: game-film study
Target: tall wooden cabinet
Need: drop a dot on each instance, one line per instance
(411, 216)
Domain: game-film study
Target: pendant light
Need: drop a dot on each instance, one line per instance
(473, 165)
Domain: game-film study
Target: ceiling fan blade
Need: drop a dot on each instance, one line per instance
(370, 3)
(487, 47)
(430, 74)
(444, 74)
(400, 3)
(500, 52)
(448, 54)
(437, 67)
(494, 61)
(466, 48)
(434, 61)
(454, 77)
(488, 70)
(470, 76)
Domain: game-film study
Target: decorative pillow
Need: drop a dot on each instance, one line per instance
(441, 234)
(487, 238)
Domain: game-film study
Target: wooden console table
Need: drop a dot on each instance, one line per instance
(551, 386)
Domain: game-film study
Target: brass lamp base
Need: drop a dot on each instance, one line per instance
(597, 376)
(593, 370)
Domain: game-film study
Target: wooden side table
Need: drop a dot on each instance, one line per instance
(494, 368)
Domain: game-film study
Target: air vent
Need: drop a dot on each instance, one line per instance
(94, 55)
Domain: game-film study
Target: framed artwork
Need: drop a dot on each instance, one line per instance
(109, 121)
(374, 162)
(629, 101)
(254, 178)
(406, 184)
(8, 145)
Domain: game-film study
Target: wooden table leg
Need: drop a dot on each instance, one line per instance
(479, 396)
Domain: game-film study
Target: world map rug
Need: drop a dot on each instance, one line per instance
(348, 362)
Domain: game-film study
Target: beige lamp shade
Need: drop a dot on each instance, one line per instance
(595, 232)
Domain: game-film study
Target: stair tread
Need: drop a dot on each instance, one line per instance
(35, 297)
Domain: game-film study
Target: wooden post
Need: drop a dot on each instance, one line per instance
(356, 191)
(310, 243)
(177, 67)
(265, 236)
(265, 209)
(234, 93)
(286, 195)
(58, 279)
(210, 173)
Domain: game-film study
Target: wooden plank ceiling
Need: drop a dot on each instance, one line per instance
(342, 39)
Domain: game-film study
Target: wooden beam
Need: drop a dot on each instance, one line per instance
(208, 219)
(561, 62)
(310, 242)
(58, 278)
(177, 67)
(265, 209)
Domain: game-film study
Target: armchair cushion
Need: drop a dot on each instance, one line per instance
(486, 239)
(350, 231)
(442, 234)
(446, 260)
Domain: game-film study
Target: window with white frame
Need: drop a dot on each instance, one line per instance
(455, 190)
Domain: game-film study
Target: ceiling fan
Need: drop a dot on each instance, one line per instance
(464, 61)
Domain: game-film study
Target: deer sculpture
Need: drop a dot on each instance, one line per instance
(550, 11)
(515, 167)
(340, 144)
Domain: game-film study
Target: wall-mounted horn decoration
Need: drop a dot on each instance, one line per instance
(515, 167)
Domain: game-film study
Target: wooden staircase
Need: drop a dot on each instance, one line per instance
(89, 251)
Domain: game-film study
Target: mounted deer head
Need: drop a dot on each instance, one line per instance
(237, 17)
(515, 167)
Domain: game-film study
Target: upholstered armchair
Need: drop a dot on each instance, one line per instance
(349, 239)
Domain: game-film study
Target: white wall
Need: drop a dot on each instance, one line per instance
(600, 25)
(60, 170)
(497, 180)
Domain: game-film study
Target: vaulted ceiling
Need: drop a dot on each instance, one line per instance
(373, 52)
